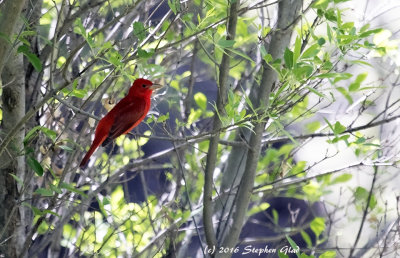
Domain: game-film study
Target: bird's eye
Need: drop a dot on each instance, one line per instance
(144, 85)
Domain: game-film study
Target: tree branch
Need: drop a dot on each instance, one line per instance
(365, 213)
(280, 38)
(213, 147)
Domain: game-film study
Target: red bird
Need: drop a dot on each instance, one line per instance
(126, 115)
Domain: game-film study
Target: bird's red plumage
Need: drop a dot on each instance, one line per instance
(125, 116)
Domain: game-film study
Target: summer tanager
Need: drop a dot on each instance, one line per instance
(126, 115)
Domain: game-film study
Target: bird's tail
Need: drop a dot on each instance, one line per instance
(96, 143)
(102, 130)
(85, 159)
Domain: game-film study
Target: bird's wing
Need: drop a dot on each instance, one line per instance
(128, 117)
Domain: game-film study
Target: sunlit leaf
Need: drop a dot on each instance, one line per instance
(328, 254)
(317, 225)
(342, 178)
(258, 208)
(201, 100)
(311, 51)
(357, 83)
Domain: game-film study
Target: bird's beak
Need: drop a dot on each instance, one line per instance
(155, 86)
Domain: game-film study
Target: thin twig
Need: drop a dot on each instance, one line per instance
(365, 213)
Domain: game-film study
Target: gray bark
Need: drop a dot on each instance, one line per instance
(217, 124)
(12, 214)
(10, 11)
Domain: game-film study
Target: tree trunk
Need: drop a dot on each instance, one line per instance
(12, 160)
(10, 11)
(241, 172)
(12, 215)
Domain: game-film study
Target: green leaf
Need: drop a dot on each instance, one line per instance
(303, 255)
(357, 83)
(339, 18)
(321, 41)
(224, 43)
(313, 126)
(347, 26)
(370, 32)
(293, 244)
(330, 15)
(263, 51)
(302, 72)
(342, 76)
(282, 255)
(329, 32)
(144, 54)
(242, 54)
(280, 126)
(51, 212)
(319, 94)
(288, 56)
(342, 178)
(345, 94)
(139, 30)
(193, 116)
(258, 208)
(268, 58)
(34, 165)
(19, 180)
(201, 100)
(66, 148)
(297, 50)
(275, 216)
(33, 59)
(44, 192)
(361, 62)
(72, 188)
(163, 118)
(360, 140)
(80, 30)
(321, 4)
(173, 5)
(48, 132)
(60, 62)
(317, 226)
(115, 58)
(364, 28)
(328, 254)
(306, 238)
(36, 211)
(55, 188)
(341, 138)
(79, 93)
(338, 128)
(311, 51)
(5, 37)
(361, 194)
(372, 202)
